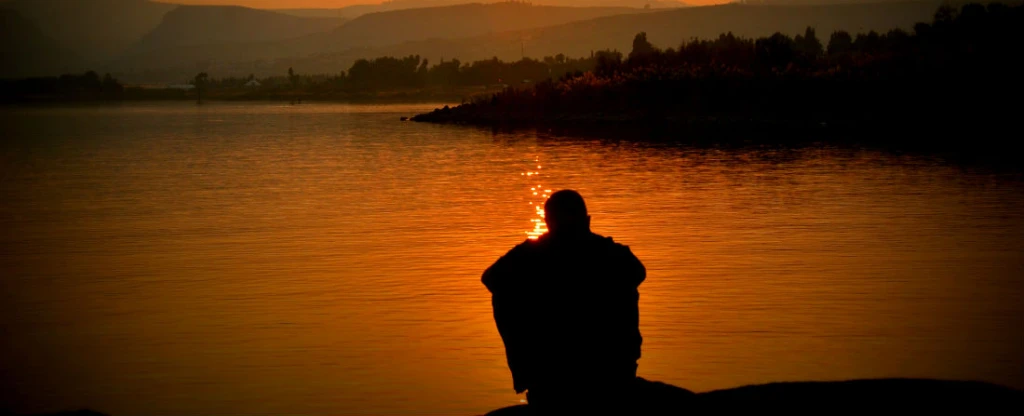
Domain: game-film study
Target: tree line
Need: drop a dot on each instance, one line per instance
(960, 55)
(88, 86)
(412, 72)
(961, 67)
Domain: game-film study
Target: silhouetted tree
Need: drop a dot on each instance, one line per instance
(731, 50)
(867, 43)
(775, 51)
(945, 15)
(694, 52)
(971, 56)
(444, 73)
(840, 43)
(110, 88)
(74, 87)
(422, 72)
(385, 72)
(642, 48)
(607, 62)
(199, 82)
(808, 44)
(294, 78)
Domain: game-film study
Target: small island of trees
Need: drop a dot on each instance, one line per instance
(962, 69)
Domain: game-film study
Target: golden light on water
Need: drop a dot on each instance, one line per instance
(313, 276)
(538, 195)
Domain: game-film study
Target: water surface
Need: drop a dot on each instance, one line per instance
(169, 259)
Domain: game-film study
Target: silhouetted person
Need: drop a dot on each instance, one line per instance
(566, 307)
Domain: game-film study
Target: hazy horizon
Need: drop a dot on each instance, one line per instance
(330, 4)
(159, 42)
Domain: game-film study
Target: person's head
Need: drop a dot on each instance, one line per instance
(566, 213)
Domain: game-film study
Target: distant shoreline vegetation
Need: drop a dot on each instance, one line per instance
(380, 79)
(88, 86)
(962, 70)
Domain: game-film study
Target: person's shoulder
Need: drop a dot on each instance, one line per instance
(524, 248)
(615, 249)
(508, 263)
(609, 242)
(622, 257)
(527, 244)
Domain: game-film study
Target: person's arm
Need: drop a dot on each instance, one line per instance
(508, 319)
(635, 273)
(634, 270)
(510, 328)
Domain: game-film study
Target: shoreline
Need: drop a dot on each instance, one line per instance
(133, 95)
(737, 128)
(972, 140)
(862, 394)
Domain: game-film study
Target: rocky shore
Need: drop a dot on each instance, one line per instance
(867, 395)
(827, 397)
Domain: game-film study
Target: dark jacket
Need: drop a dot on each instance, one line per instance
(567, 309)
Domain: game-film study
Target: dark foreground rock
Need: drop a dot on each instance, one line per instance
(80, 412)
(871, 395)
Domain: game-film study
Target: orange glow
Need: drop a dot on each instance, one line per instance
(539, 227)
(322, 275)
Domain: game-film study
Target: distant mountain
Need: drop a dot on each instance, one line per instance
(27, 52)
(357, 10)
(449, 22)
(173, 45)
(665, 28)
(97, 30)
(640, 4)
(670, 28)
(216, 25)
(193, 37)
(338, 13)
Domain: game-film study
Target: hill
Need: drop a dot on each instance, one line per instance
(351, 12)
(864, 395)
(97, 30)
(171, 48)
(191, 37)
(336, 51)
(664, 29)
(212, 25)
(670, 28)
(449, 22)
(26, 51)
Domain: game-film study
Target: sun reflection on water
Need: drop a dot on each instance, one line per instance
(537, 198)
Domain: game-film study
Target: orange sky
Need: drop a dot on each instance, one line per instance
(301, 4)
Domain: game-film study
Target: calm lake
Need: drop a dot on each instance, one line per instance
(322, 259)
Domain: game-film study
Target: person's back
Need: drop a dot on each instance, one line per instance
(566, 307)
